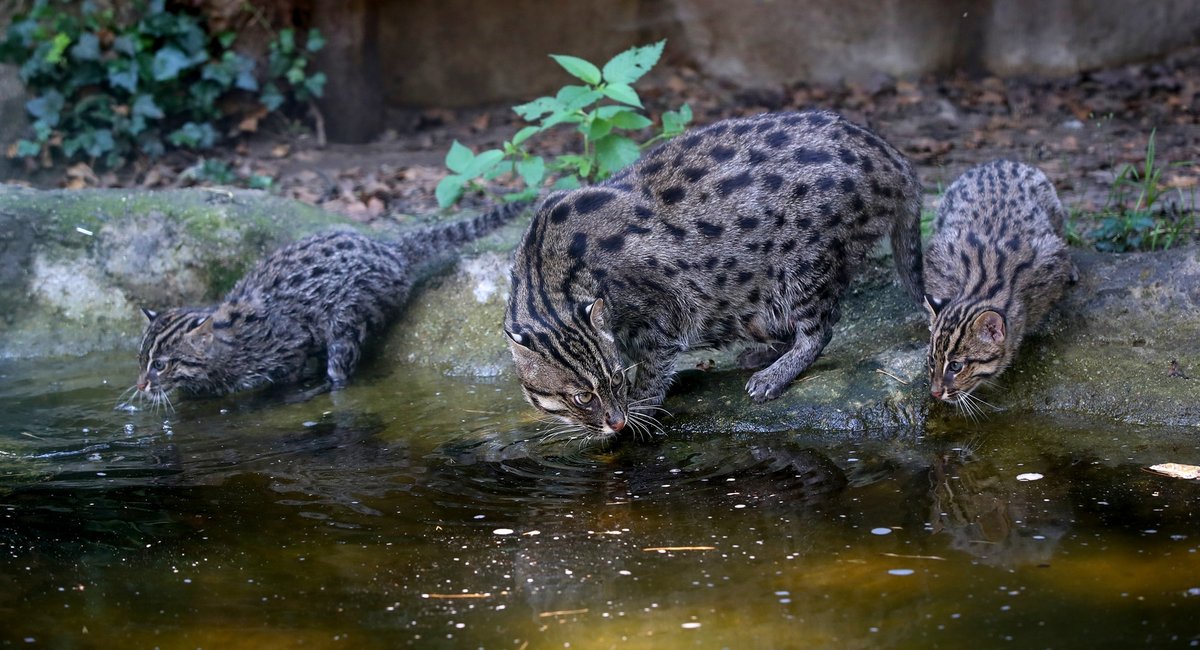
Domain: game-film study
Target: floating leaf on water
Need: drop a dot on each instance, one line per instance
(1177, 470)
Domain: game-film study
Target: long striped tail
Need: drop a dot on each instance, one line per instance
(441, 238)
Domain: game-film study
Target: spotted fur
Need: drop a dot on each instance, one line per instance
(995, 266)
(748, 229)
(319, 297)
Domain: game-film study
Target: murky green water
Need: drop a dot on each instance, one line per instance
(417, 510)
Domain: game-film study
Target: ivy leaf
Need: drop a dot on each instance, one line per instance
(87, 48)
(46, 108)
(449, 190)
(125, 44)
(28, 149)
(579, 68)
(168, 62)
(287, 40)
(271, 97)
(122, 73)
(245, 79)
(614, 152)
(226, 39)
(623, 93)
(144, 106)
(102, 143)
(315, 41)
(58, 45)
(315, 85)
(459, 158)
(629, 66)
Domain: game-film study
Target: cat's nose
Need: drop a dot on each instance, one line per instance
(936, 392)
(615, 421)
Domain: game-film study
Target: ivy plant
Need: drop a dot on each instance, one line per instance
(107, 90)
(603, 109)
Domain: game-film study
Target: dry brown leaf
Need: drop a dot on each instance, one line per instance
(1177, 470)
(281, 151)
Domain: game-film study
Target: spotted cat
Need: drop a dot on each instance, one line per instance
(318, 297)
(747, 229)
(996, 264)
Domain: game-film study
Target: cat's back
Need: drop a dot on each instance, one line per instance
(998, 200)
(321, 268)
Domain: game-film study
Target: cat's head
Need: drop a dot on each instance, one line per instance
(176, 353)
(574, 373)
(968, 345)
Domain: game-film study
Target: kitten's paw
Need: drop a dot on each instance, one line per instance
(755, 358)
(763, 386)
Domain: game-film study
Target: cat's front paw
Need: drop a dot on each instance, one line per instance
(764, 387)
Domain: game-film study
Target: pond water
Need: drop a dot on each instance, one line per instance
(427, 511)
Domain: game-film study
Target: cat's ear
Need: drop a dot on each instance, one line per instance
(934, 305)
(989, 327)
(150, 314)
(598, 316)
(518, 340)
(201, 332)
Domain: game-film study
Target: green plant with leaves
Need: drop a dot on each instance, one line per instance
(106, 90)
(602, 109)
(1137, 216)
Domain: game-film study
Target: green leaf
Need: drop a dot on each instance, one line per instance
(315, 41)
(287, 40)
(578, 68)
(271, 97)
(524, 134)
(58, 45)
(315, 85)
(449, 190)
(597, 129)
(226, 39)
(168, 62)
(483, 163)
(122, 73)
(531, 111)
(624, 118)
(532, 171)
(675, 121)
(144, 106)
(47, 108)
(245, 73)
(459, 158)
(622, 93)
(102, 143)
(125, 44)
(527, 194)
(28, 149)
(613, 153)
(569, 182)
(194, 136)
(629, 66)
(87, 48)
(573, 98)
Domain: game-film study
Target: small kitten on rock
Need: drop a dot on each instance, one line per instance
(319, 297)
(996, 264)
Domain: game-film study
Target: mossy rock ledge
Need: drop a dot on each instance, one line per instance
(75, 266)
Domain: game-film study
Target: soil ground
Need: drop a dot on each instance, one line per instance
(1080, 130)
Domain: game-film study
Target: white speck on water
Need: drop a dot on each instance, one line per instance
(1039, 537)
(309, 423)
(503, 531)
(83, 231)
(1194, 591)
(478, 516)
(900, 572)
(625, 572)
(690, 625)
(1029, 476)
(881, 531)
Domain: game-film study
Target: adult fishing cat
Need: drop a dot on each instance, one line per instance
(996, 264)
(320, 296)
(747, 229)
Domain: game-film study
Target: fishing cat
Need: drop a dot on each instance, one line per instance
(749, 228)
(320, 296)
(996, 264)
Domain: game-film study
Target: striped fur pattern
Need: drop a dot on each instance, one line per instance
(748, 229)
(322, 296)
(996, 264)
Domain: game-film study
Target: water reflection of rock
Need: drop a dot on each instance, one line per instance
(583, 523)
(992, 516)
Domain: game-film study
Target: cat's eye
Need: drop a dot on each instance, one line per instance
(159, 365)
(618, 379)
(955, 366)
(583, 399)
